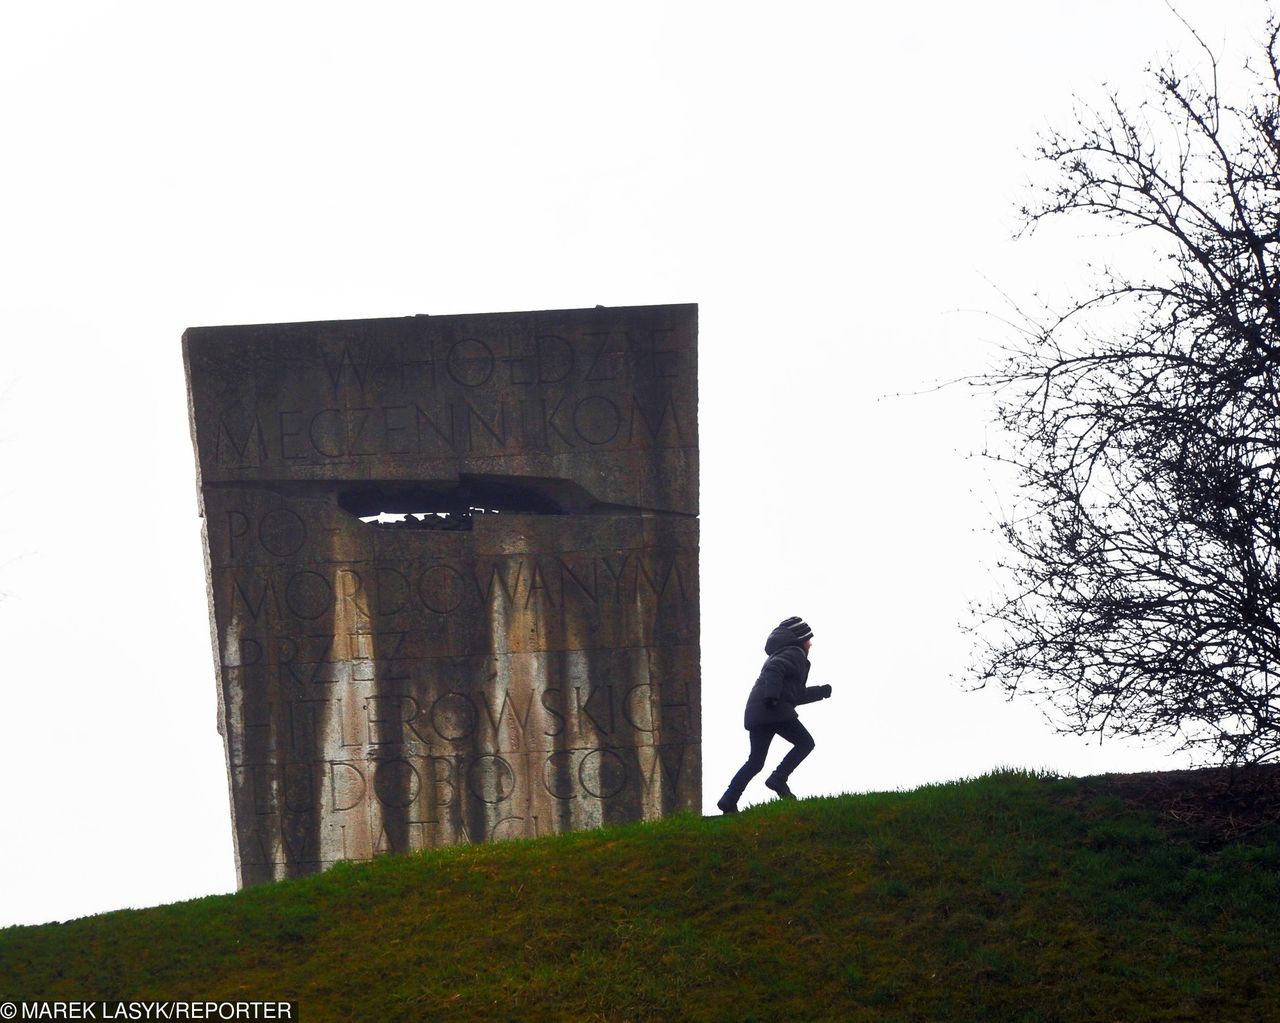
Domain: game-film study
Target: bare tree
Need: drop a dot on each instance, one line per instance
(1145, 429)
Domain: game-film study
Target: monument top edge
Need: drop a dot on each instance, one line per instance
(684, 308)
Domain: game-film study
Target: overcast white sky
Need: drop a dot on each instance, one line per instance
(834, 184)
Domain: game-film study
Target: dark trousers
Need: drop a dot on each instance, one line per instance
(761, 736)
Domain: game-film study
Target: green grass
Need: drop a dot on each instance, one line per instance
(1009, 897)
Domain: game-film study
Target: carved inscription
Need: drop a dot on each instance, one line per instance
(447, 428)
(448, 587)
(472, 396)
(388, 690)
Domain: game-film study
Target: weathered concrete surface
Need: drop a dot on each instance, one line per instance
(536, 670)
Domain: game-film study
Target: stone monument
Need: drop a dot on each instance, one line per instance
(452, 565)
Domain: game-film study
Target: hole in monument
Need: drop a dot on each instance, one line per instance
(445, 506)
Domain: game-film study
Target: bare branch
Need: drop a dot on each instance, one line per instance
(1143, 575)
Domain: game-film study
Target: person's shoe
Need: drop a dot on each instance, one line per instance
(727, 804)
(779, 785)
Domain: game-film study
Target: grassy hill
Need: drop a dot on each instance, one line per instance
(1008, 897)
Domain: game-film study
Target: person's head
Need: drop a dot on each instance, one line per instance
(800, 630)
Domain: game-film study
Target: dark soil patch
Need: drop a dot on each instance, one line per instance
(1221, 804)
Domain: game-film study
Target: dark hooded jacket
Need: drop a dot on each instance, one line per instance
(782, 678)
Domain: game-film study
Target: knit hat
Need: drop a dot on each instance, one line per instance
(797, 626)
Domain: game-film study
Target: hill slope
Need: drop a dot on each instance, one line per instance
(1004, 898)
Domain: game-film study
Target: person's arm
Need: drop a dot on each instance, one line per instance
(772, 677)
(814, 693)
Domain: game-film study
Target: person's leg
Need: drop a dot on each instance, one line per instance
(801, 746)
(760, 736)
